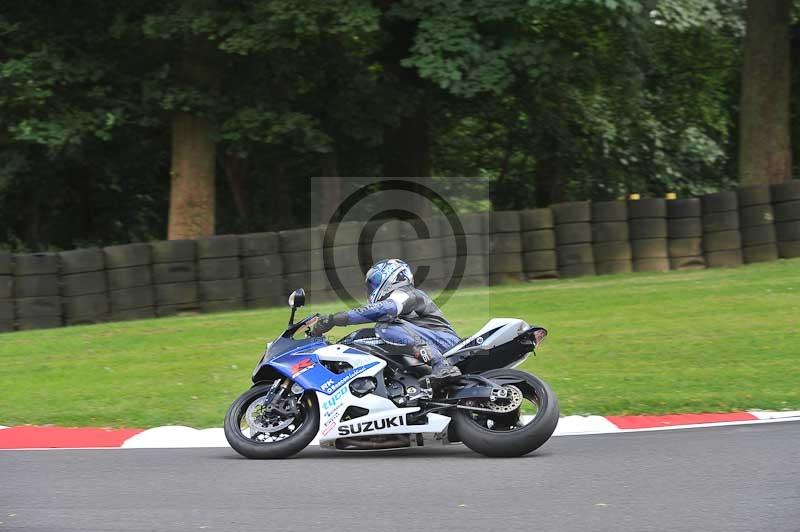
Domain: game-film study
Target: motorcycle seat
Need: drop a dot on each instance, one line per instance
(399, 356)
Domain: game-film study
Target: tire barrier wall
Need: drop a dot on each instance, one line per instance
(647, 227)
(129, 275)
(37, 299)
(228, 272)
(722, 241)
(475, 228)
(437, 252)
(343, 250)
(175, 277)
(574, 253)
(685, 231)
(786, 205)
(262, 270)
(6, 293)
(757, 227)
(505, 248)
(303, 263)
(611, 237)
(539, 257)
(84, 286)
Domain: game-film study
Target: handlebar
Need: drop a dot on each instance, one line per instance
(306, 322)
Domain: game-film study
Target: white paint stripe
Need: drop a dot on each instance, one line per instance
(176, 437)
(61, 449)
(3, 427)
(184, 437)
(568, 425)
(764, 414)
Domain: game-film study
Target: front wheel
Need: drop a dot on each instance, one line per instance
(257, 430)
(513, 428)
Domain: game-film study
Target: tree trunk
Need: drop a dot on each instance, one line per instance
(281, 209)
(765, 145)
(236, 169)
(549, 186)
(406, 154)
(406, 146)
(192, 195)
(32, 215)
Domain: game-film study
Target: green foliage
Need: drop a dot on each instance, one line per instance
(602, 97)
(630, 100)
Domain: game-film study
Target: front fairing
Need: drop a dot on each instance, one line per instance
(279, 347)
(302, 365)
(283, 345)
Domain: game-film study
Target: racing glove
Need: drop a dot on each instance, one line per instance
(323, 325)
(326, 323)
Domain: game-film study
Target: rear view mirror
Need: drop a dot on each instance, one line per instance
(297, 299)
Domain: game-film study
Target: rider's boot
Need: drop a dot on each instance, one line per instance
(441, 368)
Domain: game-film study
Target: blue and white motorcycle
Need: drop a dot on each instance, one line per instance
(363, 394)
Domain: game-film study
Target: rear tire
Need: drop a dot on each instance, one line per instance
(292, 444)
(522, 440)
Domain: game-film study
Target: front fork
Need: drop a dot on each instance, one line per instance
(274, 401)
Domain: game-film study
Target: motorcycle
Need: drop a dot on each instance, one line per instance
(363, 394)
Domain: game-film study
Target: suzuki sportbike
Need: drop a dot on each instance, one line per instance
(363, 394)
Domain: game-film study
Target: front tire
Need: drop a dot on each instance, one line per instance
(503, 435)
(256, 445)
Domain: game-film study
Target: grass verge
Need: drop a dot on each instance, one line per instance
(697, 341)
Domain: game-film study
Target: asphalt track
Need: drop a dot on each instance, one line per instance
(730, 478)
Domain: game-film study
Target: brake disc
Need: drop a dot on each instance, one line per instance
(263, 418)
(511, 403)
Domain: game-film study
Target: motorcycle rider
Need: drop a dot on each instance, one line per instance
(404, 316)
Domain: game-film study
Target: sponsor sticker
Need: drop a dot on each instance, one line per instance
(332, 385)
(331, 404)
(302, 366)
(372, 425)
(328, 386)
(328, 427)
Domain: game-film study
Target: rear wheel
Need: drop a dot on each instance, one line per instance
(512, 427)
(259, 430)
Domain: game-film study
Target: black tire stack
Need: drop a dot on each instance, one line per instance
(647, 225)
(130, 281)
(574, 238)
(175, 276)
(539, 258)
(36, 291)
(443, 272)
(610, 237)
(84, 288)
(6, 293)
(428, 257)
(685, 228)
(303, 265)
(505, 248)
(756, 219)
(219, 273)
(343, 258)
(722, 241)
(786, 205)
(476, 237)
(262, 269)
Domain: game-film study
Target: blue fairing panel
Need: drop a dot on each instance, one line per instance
(306, 370)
